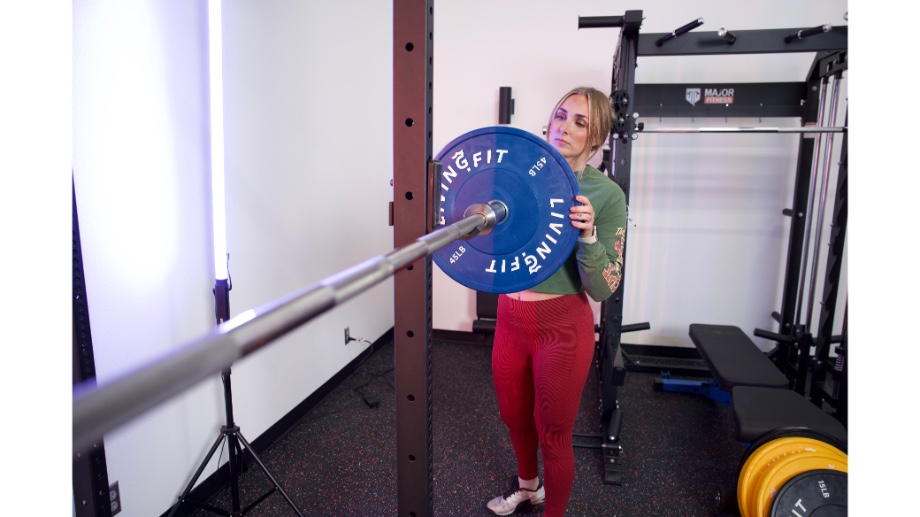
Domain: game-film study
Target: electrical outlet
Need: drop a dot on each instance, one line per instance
(114, 498)
(347, 335)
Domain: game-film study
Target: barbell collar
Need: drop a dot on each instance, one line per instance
(492, 214)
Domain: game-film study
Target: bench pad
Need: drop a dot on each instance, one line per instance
(734, 359)
(758, 411)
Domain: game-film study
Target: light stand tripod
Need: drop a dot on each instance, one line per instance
(233, 436)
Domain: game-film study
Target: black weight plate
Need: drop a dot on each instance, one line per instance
(537, 185)
(812, 493)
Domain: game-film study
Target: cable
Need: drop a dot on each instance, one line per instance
(370, 400)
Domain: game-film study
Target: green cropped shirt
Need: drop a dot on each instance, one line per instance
(595, 268)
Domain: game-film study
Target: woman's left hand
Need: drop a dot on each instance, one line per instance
(582, 217)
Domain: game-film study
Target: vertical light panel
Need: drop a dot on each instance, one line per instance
(218, 202)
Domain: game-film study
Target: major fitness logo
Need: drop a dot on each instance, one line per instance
(710, 95)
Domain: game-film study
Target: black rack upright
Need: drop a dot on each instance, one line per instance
(782, 99)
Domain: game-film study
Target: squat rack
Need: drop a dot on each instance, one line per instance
(803, 100)
(412, 207)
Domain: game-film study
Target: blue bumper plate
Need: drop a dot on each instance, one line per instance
(537, 185)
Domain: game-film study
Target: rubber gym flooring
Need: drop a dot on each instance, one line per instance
(339, 460)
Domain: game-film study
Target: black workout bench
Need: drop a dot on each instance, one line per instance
(747, 381)
(761, 412)
(764, 406)
(733, 360)
(759, 394)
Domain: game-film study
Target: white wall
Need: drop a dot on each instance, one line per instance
(308, 110)
(707, 241)
(140, 140)
(308, 92)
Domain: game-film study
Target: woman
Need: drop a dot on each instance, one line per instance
(544, 336)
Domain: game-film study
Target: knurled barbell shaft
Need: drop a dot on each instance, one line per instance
(98, 410)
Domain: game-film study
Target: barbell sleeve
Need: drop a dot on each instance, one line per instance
(492, 213)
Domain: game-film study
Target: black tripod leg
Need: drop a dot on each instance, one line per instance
(191, 483)
(235, 459)
(269, 474)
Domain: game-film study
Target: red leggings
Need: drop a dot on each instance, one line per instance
(542, 353)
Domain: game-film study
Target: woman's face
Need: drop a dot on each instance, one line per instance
(568, 130)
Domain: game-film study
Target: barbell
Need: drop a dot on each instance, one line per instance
(504, 205)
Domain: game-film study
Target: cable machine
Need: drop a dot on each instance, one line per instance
(805, 100)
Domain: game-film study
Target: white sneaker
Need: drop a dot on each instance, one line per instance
(515, 496)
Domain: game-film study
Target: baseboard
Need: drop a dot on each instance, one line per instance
(221, 477)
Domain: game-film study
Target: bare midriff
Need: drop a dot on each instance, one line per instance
(532, 296)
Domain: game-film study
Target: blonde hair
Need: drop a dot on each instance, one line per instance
(600, 116)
